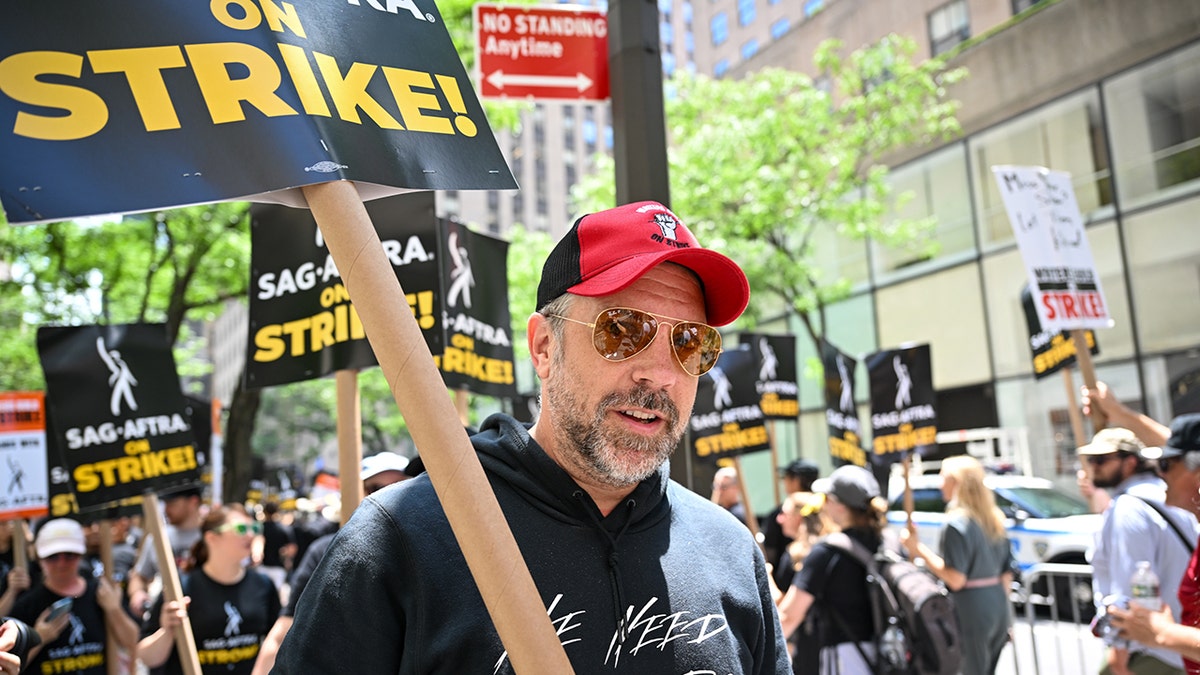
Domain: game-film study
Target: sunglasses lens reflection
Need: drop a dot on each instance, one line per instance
(622, 333)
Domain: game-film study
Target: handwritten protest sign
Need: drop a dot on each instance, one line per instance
(1050, 234)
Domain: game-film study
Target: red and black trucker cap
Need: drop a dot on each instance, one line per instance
(606, 251)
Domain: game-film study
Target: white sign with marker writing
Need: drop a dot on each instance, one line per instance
(1050, 234)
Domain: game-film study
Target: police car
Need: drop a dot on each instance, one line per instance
(1045, 524)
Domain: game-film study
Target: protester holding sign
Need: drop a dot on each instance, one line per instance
(183, 511)
(231, 607)
(72, 642)
(638, 574)
(976, 562)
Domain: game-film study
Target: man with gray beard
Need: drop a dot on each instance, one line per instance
(637, 574)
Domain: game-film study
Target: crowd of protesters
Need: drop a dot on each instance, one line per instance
(587, 492)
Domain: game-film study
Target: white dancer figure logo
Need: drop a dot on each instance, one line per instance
(721, 388)
(846, 404)
(769, 361)
(76, 631)
(462, 280)
(121, 380)
(903, 383)
(233, 620)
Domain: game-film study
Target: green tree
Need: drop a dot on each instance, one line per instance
(173, 267)
(768, 166)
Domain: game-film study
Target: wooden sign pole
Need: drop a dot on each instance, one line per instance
(908, 495)
(495, 561)
(185, 640)
(20, 545)
(349, 435)
(775, 480)
(112, 650)
(751, 521)
(1084, 357)
(1073, 411)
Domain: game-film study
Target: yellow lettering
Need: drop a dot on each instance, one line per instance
(143, 71)
(282, 15)
(86, 112)
(223, 95)
(772, 405)
(413, 104)
(295, 59)
(268, 343)
(350, 93)
(220, 12)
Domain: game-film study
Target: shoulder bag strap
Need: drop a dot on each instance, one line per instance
(844, 544)
(1190, 546)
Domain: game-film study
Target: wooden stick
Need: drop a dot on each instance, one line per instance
(1083, 355)
(349, 435)
(185, 640)
(908, 494)
(776, 481)
(495, 561)
(1073, 411)
(20, 544)
(751, 521)
(112, 650)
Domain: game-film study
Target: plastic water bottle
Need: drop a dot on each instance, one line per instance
(1144, 587)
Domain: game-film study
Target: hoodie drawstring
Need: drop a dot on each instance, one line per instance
(614, 575)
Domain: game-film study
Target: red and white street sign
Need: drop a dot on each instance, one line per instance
(541, 51)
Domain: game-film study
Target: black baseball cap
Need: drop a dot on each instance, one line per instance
(801, 468)
(1185, 438)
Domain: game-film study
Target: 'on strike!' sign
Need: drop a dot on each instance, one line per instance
(1050, 234)
(544, 52)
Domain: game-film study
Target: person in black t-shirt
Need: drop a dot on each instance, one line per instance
(231, 607)
(378, 471)
(279, 545)
(75, 641)
(834, 583)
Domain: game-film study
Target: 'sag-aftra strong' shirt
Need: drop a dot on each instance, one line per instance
(80, 647)
(229, 622)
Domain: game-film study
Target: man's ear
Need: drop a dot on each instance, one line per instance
(541, 343)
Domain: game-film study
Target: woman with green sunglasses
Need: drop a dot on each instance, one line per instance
(231, 606)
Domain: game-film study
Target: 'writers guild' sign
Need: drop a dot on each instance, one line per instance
(1051, 351)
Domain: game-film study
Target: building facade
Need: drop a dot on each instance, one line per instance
(1106, 90)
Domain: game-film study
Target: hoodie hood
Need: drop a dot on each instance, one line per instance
(507, 451)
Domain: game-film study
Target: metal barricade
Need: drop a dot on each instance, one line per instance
(1051, 607)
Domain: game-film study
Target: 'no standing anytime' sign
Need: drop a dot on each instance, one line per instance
(544, 52)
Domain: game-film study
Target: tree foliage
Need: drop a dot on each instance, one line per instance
(768, 166)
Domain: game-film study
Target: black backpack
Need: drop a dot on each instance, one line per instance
(916, 627)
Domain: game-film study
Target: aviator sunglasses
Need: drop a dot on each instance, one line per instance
(620, 333)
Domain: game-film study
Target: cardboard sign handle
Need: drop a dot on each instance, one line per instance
(492, 555)
(349, 435)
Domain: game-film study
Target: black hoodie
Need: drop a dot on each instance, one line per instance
(394, 595)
